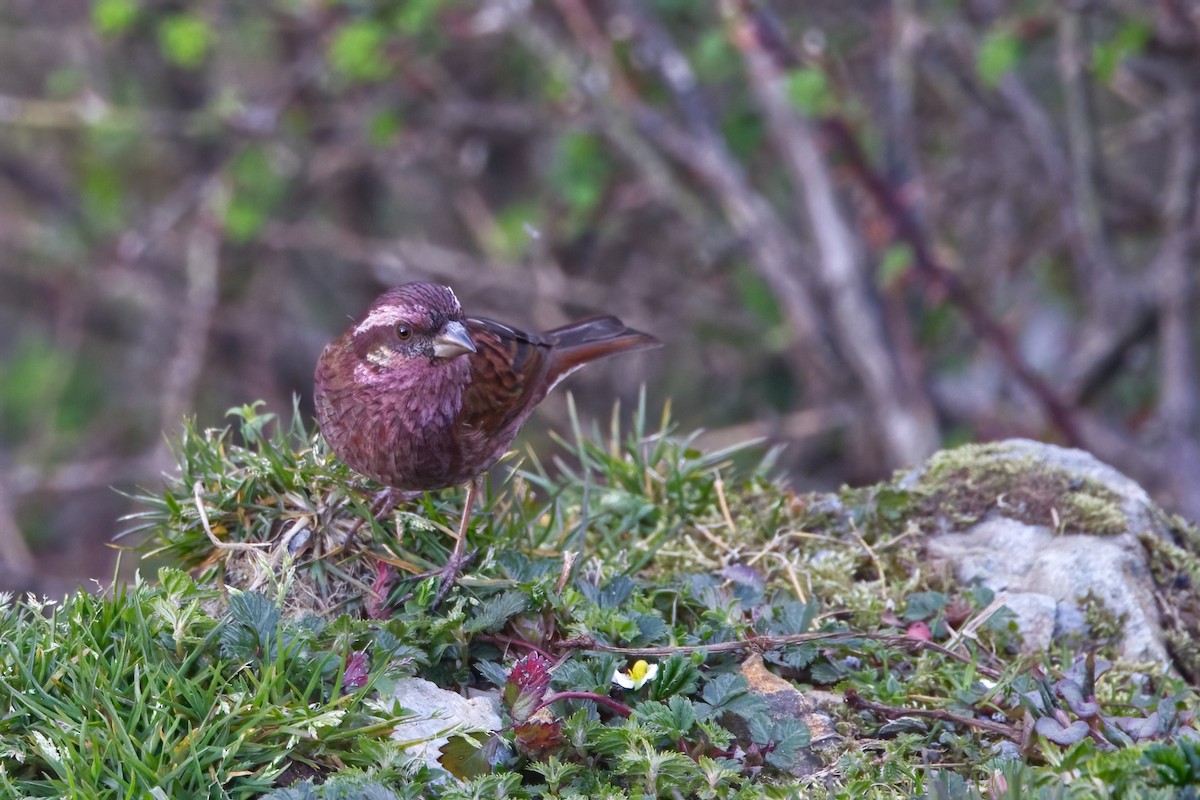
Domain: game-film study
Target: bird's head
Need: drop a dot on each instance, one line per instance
(411, 323)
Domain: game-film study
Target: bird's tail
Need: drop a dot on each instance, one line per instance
(589, 339)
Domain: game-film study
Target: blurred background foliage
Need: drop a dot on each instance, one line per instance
(867, 228)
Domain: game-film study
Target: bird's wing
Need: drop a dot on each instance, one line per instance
(508, 374)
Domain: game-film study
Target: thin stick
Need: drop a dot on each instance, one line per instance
(212, 537)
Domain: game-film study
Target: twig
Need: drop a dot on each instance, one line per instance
(763, 644)
(854, 700)
(212, 537)
(724, 504)
(612, 705)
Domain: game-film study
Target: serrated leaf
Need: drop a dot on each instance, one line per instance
(612, 595)
(676, 675)
(492, 615)
(760, 729)
(466, 757)
(730, 694)
(651, 629)
(176, 583)
(492, 672)
(250, 628)
(923, 605)
(526, 686)
(672, 720)
(827, 673)
(793, 617)
(789, 737)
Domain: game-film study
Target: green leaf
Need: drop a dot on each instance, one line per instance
(676, 675)
(251, 628)
(176, 583)
(670, 721)
(923, 605)
(113, 16)
(417, 16)
(384, 126)
(1129, 40)
(651, 629)
(258, 189)
(998, 55)
(357, 52)
(184, 39)
(580, 172)
(897, 261)
(789, 737)
(808, 91)
(492, 615)
(793, 617)
(730, 693)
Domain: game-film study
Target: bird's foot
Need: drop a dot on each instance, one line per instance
(382, 504)
(449, 573)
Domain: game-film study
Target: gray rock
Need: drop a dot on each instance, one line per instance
(1053, 525)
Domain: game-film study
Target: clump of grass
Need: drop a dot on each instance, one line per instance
(143, 694)
(636, 554)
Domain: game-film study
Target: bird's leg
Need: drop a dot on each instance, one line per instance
(457, 558)
(381, 505)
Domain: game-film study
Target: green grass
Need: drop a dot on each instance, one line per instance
(266, 671)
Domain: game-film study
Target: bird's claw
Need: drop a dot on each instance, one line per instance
(448, 574)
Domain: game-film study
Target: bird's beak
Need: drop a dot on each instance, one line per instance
(453, 341)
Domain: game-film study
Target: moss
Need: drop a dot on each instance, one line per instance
(964, 485)
(1176, 573)
(1106, 628)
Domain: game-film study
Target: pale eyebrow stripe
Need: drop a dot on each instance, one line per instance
(380, 317)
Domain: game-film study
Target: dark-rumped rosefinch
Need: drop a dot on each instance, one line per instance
(419, 397)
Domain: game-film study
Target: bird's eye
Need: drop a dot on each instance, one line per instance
(403, 331)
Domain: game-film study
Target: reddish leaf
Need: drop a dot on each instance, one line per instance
(958, 611)
(919, 630)
(538, 737)
(526, 686)
(358, 669)
(385, 579)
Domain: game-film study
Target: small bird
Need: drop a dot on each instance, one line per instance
(419, 397)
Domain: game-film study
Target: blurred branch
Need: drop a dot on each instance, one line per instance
(1173, 272)
(900, 410)
(701, 149)
(1074, 51)
(15, 556)
(393, 261)
(182, 372)
(938, 276)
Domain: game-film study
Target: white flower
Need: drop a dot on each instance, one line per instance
(637, 676)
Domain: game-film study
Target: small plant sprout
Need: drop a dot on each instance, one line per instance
(636, 676)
